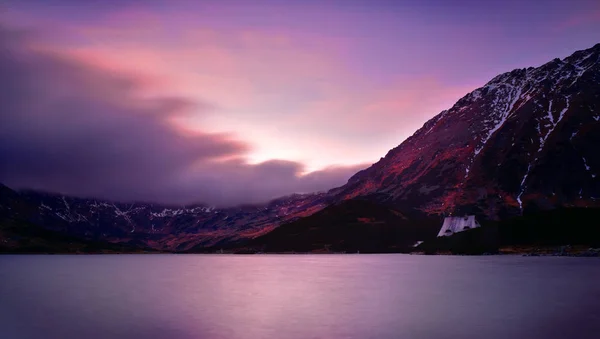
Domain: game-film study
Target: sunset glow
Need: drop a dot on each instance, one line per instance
(295, 87)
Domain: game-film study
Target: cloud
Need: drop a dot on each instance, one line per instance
(74, 128)
(580, 18)
(285, 91)
(405, 105)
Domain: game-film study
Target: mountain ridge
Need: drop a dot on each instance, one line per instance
(506, 100)
(526, 140)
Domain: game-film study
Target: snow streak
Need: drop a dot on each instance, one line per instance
(515, 95)
(543, 139)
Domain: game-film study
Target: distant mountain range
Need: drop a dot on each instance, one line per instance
(172, 228)
(525, 142)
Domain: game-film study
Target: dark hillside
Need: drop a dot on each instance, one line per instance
(350, 226)
(578, 227)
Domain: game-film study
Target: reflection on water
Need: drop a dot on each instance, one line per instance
(300, 296)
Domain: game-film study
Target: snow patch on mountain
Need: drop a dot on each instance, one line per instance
(543, 139)
(573, 135)
(510, 94)
(587, 167)
(523, 187)
(123, 214)
(553, 124)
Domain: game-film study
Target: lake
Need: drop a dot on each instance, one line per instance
(298, 296)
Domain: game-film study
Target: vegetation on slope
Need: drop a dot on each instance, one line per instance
(350, 226)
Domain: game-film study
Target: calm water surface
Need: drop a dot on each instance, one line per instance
(298, 296)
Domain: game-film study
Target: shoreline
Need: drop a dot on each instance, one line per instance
(564, 251)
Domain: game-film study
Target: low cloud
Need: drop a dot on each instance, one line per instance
(72, 128)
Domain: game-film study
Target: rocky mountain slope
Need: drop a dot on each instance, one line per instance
(526, 140)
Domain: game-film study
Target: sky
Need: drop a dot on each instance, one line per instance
(234, 101)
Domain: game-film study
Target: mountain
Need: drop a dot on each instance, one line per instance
(528, 139)
(524, 142)
(171, 228)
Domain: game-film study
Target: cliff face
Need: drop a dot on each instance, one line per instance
(527, 139)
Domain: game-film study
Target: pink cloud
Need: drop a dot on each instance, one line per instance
(74, 128)
(408, 103)
(581, 18)
(284, 93)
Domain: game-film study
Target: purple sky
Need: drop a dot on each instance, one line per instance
(242, 101)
